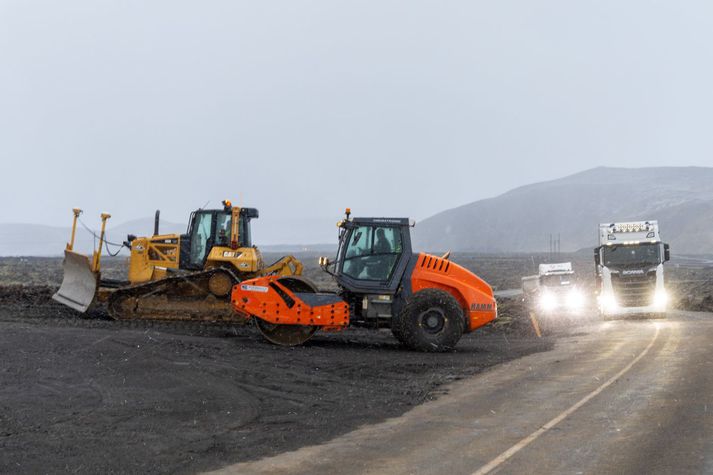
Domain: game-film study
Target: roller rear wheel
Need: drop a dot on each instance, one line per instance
(431, 321)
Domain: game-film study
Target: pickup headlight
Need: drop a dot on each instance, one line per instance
(547, 301)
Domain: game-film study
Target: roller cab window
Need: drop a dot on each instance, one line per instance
(372, 253)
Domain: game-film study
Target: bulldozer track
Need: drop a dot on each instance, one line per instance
(177, 298)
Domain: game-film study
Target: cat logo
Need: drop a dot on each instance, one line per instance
(481, 307)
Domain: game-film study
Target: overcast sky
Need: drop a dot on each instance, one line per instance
(300, 108)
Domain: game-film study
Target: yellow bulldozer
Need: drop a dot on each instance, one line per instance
(173, 276)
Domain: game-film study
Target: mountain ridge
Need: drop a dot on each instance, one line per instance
(518, 220)
(521, 219)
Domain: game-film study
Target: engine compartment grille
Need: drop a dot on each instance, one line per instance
(634, 290)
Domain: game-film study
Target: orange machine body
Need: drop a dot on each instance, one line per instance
(473, 293)
(268, 299)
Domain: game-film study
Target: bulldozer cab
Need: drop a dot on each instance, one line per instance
(373, 254)
(209, 228)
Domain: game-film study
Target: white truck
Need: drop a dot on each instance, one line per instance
(629, 269)
(554, 290)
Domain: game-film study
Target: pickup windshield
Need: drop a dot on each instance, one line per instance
(630, 255)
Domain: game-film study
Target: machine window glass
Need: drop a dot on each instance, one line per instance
(388, 240)
(372, 253)
(200, 236)
(223, 229)
(190, 223)
(244, 230)
(359, 242)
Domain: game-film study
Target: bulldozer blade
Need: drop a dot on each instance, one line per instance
(79, 286)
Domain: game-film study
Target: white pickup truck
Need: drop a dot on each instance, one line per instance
(554, 290)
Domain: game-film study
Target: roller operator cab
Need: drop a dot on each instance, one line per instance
(629, 269)
(428, 302)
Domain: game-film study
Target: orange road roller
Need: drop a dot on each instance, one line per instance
(428, 302)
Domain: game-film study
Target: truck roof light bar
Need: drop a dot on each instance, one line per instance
(630, 227)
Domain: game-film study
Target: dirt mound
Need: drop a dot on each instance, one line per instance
(27, 294)
(32, 302)
(513, 318)
(696, 303)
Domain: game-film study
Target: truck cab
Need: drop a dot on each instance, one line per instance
(630, 269)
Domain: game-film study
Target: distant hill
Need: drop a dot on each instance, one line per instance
(294, 231)
(521, 220)
(40, 240)
(324, 249)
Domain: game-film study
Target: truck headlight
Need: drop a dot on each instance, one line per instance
(575, 299)
(660, 298)
(608, 302)
(548, 301)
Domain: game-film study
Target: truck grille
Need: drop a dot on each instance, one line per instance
(634, 290)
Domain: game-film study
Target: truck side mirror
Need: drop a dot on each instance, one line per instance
(666, 253)
(597, 259)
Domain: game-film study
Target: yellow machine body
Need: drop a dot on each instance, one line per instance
(152, 256)
(199, 268)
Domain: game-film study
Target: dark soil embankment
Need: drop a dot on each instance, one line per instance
(90, 395)
(691, 288)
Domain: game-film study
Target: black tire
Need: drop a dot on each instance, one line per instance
(396, 330)
(431, 321)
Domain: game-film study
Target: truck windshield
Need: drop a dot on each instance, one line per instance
(641, 254)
